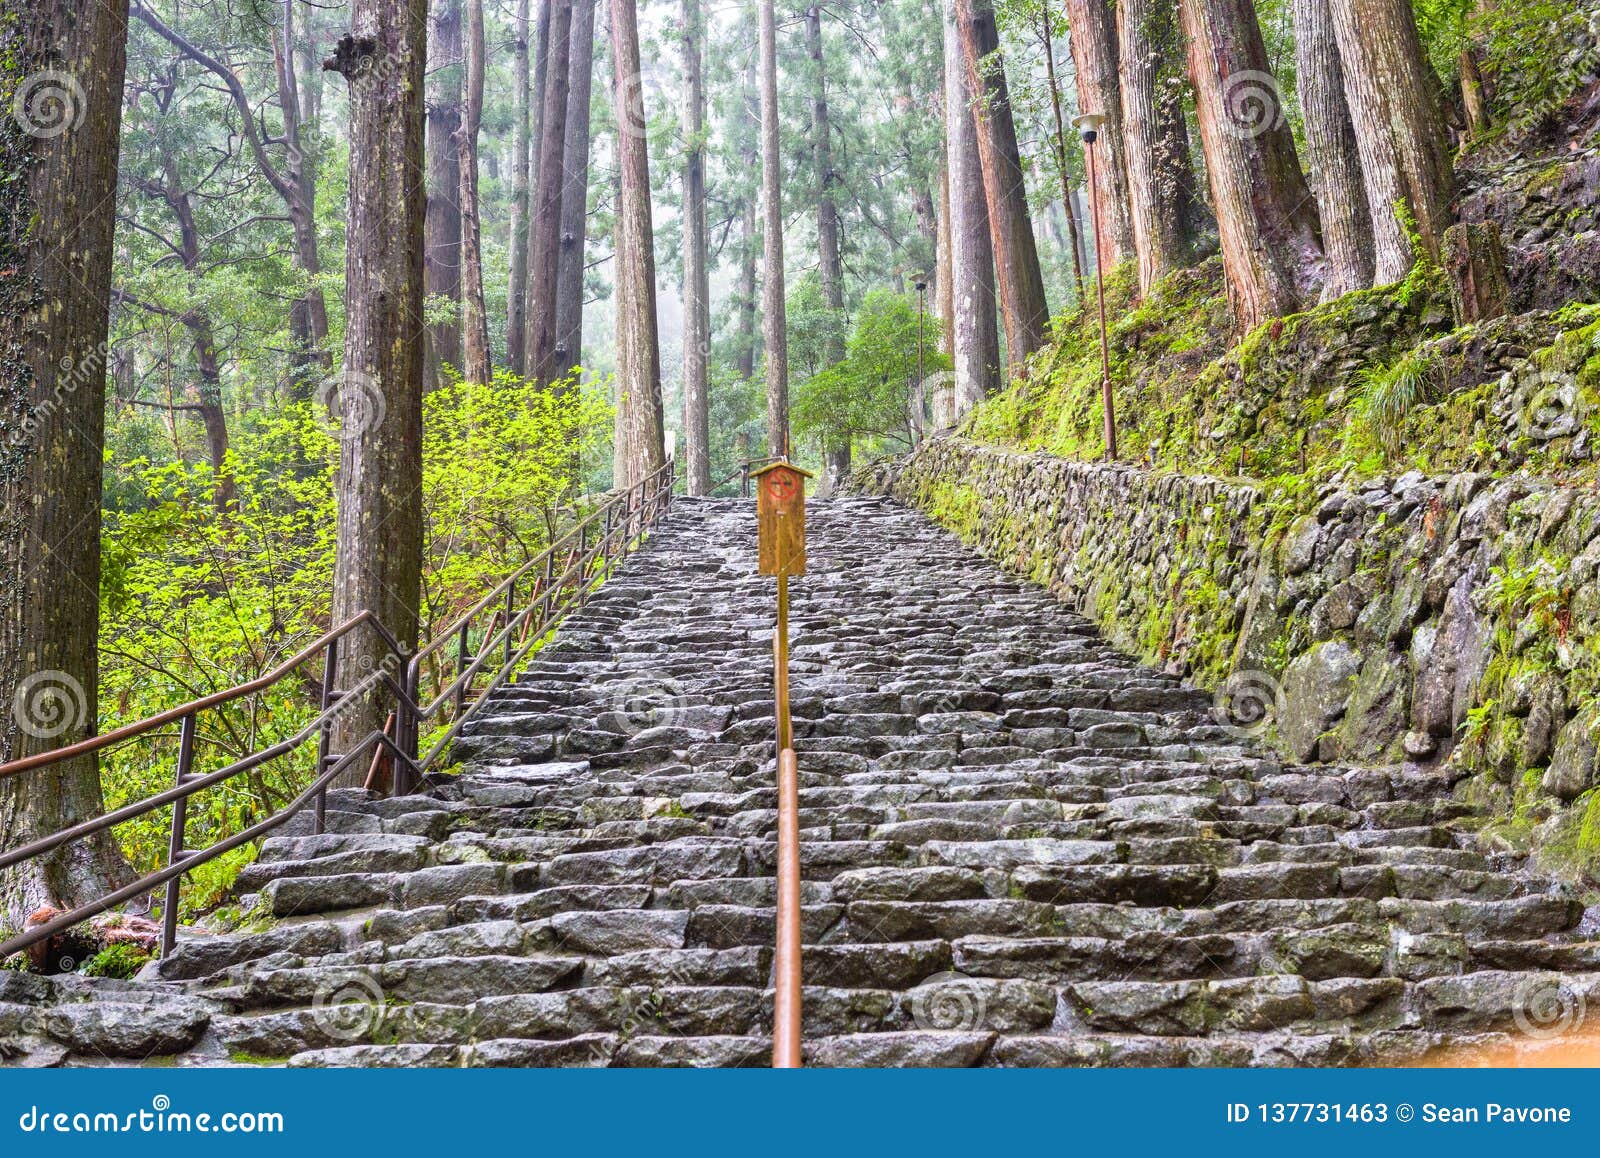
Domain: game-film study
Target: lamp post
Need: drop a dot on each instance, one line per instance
(1088, 126)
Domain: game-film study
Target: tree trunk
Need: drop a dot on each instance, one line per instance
(1331, 151)
(749, 343)
(442, 235)
(975, 341)
(636, 241)
(944, 300)
(378, 561)
(696, 284)
(1161, 194)
(575, 192)
(476, 365)
(1475, 262)
(1094, 58)
(1016, 258)
(1399, 130)
(774, 322)
(207, 394)
(544, 250)
(62, 84)
(1062, 168)
(313, 357)
(1267, 220)
(830, 266)
(521, 137)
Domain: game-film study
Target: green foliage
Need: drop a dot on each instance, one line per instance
(196, 598)
(1386, 396)
(1523, 47)
(121, 960)
(867, 396)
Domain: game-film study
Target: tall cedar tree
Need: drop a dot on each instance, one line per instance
(61, 88)
(830, 266)
(773, 320)
(475, 358)
(636, 253)
(544, 247)
(1267, 219)
(1399, 128)
(378, 560)
(1331, 150)
(521, 138)
(442, 233)
(1016, 258)
(1162, 198)
(975, 340)
(1094, 56)
(696, 284)
(575, 191)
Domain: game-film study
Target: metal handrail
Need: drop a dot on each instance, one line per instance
(640, 507)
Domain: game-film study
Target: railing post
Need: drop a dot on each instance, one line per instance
(175, 851)
(330, 696)
(462, 641)
(511, 614)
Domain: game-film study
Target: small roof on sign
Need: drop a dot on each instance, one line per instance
(786, 465)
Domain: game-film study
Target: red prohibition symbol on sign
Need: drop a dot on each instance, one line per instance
(780, 486)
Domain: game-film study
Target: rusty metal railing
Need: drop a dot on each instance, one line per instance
(786, 965)
(587, 554)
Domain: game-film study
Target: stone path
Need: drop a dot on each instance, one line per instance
(1020, 848)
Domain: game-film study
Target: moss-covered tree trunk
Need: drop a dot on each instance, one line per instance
(1399, 129)
(476, 365)
(61, 71)
(1266, 216)
(1331, 151)
(378, 560)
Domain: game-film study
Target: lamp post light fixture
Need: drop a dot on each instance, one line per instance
(1088, 126)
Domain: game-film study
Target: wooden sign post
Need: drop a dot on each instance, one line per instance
(781, 515)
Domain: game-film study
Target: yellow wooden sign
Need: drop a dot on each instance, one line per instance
(781, 517)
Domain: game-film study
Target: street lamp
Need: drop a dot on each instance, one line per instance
(1088, 126)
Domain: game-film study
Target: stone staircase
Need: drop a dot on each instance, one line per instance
(1019, 849)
